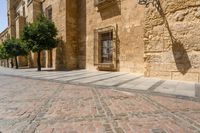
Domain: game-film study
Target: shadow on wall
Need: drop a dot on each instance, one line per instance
(113, 10)
(60, 55)
(82, 34)
(117, 49)
(181, 58)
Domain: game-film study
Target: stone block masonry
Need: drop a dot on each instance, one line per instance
(172, 40)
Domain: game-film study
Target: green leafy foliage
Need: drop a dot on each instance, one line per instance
(3, 54)
(14, 47)
(40, 35)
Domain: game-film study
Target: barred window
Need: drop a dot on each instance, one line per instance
(106, 47)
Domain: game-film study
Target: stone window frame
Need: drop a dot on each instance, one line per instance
(97, 48)
(103, 4)
(98, 2)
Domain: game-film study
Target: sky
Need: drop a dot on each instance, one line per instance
(3, 15)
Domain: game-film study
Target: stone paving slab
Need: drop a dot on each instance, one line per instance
(98, 77)
(115, 81)
(88, 74)
(39, 73)
(177, 88)
(140, 84)
(67, 74)
(118, 80)
(49, 75)
(46, 74)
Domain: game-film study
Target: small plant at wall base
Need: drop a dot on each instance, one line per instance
(40, 35)
(14, 48)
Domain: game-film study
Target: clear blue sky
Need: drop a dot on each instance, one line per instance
(3, 15)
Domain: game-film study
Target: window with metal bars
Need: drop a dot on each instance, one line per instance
(106, 40)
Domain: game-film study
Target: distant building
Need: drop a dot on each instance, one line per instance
(4, 35)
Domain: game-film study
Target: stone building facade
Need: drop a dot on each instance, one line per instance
(161, 40)
(171, 40)
(4, 35)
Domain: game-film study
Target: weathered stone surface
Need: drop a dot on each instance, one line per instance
(64, 16)
(127, 20)
(176, 31)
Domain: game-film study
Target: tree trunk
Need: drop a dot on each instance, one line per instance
(7, 62)
(38, 61)
(16, 63)
(12, 65)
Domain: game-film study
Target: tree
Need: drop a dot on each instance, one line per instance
(40, 35)
(3, 54)
(14, 48)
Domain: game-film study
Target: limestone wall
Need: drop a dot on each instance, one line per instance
(33, 10)
(20, 23)
(65, 18)
(81, 33)
(11, 17)
(71, 47)
(172, 40)
(127, 19)
(58, 17)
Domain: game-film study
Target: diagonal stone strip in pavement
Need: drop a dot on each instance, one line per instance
(156, 85)
(140, 84)
(116, 81)
(177, 116)
(45, 75)
(124, 82)
(89, 74)
(98, 78)
(58, 75)
(63, 73)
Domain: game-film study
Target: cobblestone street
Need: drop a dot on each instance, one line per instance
(30, 105)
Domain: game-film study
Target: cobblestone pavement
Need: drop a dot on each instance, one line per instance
(38, 106)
